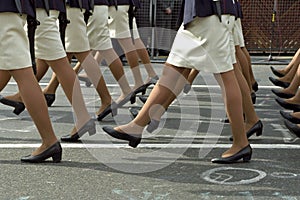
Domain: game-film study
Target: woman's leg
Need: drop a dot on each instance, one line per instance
(133, 60)
(233, 104)
(90, 65)
(42, 68)
(36, 105)
(144, 56)
(116, 68)
(164, 92)
(70, 84)
(251, 117)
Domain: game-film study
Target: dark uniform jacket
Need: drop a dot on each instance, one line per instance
(204, 8)
(10, 6)
(101, 2)
(75, 4)
(239, 9)
(135, 3)
(53, 5)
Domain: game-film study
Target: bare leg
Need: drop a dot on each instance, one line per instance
(36, 105)
(132, 59)
(42, 68)
(294, 61)
(90, 65)
(116, 67)
(247, 55)
(144, 56)
(248, 108)
(70, 84)
(193, 74)
(233, 104)
(244, 65)
(288, 77)
(4, 79)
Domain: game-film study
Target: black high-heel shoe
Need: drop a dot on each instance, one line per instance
(255, 86)
(50, 98)
(245, 154)
(282, 94)
(142, 89)
(89, 127)
(19, 106)
(55, 151)
(143, 99)
(112, 108)
(294, 128)
(289, 117)
(276, 73)
(134, 111)
(87, 81)
(130, 97)
(187, 87)
(134, 140)
(256, 128)
(253, 97)
(289, 106)
(153, 125)
(279, 82)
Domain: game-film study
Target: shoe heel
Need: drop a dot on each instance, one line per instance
(114, 112)
(134, 142)
(92, 131)
(247, 158)
(153, 125)
(259, 132)
(18, 109)
(133, 98)
(57, 157)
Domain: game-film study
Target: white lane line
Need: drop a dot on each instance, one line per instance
(193, 86)
(152, 145)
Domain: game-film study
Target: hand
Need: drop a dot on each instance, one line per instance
(168, 11)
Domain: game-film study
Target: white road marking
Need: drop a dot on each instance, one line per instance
(151, 145)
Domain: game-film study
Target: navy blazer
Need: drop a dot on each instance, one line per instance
(75, 4)
(135, 3)
(101, 2)
(239, 9)
(204, 8)
(53, 4)
(10, 6)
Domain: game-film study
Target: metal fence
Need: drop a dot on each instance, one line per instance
(270, 26)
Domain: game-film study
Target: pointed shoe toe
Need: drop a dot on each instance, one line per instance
(245, 154)
(279, 82)
(293, 128)
(282, 94)
(54, 152)
(289, 106)
(134, 140)
(112, 108)
(289, 117)
(276, 73)
(19, 106)
(89, 127)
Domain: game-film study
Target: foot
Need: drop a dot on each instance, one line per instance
(43, 153)
(76, 133)
(233, 150)
(234, 155)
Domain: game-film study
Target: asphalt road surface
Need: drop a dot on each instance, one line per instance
(173, 162)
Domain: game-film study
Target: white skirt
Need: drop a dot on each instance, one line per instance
(119, 23)
(76, 32)
(14, 43)
(48, 45)
(98, 31)
(206, 45)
